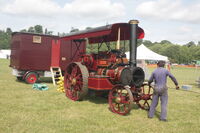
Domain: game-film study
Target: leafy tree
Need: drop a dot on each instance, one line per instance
(74, 30)
(139, 42)
(45, 31)
(185, 55)
(156, 48)
(198, 43)
(62, 34)
(173, 52)
(23, 30)
(147, 43)
(189, 44)
(195, 52)
(165, 42)
(88, 28)
(5, 38)
(31, 29)
(8, 31)
(38, 29)
(50, 33)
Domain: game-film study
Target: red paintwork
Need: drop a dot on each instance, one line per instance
(31, 78)
(55, 53)
(69, 53)
(143, 100)
(120, 102)
(111, 73)
(104, 66)
(73, 94)
(85, 35)
(99, 83)
(113, 35)
(111, 31)
(26, 55)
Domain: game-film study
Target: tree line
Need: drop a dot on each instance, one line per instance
(181, 54)
(176, 53)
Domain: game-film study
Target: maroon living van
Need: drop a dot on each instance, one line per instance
(32, 55)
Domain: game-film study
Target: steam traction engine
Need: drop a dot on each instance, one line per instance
(109, 70)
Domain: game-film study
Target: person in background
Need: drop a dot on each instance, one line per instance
(159, 76)
(169, 66)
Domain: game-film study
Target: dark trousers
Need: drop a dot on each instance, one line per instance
(164, 100)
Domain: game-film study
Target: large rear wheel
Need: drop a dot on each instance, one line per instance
(76, 81)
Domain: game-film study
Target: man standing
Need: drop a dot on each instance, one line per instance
(159, 76)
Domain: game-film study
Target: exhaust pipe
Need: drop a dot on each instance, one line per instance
(133, 42)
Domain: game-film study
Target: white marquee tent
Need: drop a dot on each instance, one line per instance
(143, 53)
(5, 54)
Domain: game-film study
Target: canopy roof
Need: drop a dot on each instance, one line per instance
(143, 53)
(106, 33)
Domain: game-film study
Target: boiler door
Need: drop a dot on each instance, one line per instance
(126, 76)
(137, 76)
(132, 76)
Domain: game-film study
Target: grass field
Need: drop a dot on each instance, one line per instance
(24, 110)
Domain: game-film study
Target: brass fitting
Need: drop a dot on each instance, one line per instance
(133, 22)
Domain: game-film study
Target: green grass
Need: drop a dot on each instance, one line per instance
(24, 110)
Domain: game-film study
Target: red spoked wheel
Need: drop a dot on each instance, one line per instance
(120, 100)
(31, 78)
(145, 97)
(76, 81)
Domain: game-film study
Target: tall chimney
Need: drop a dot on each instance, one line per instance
(133, 42)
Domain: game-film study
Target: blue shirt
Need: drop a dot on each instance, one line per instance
(159, 76)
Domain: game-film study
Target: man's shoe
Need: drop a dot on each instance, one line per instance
(164, 120)
(150, 117)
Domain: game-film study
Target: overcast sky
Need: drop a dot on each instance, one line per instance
(175, 20)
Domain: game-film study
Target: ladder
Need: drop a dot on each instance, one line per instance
(56, 73)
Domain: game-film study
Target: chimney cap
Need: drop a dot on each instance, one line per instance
(133, 22)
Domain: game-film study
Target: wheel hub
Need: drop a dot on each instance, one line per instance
(118, 100)
(73, 81)
(124, 92)
(32, 78)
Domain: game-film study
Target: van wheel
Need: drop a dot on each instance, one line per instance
(31, 78)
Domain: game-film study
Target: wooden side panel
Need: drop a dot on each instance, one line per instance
(70, 52)
(31, 51)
